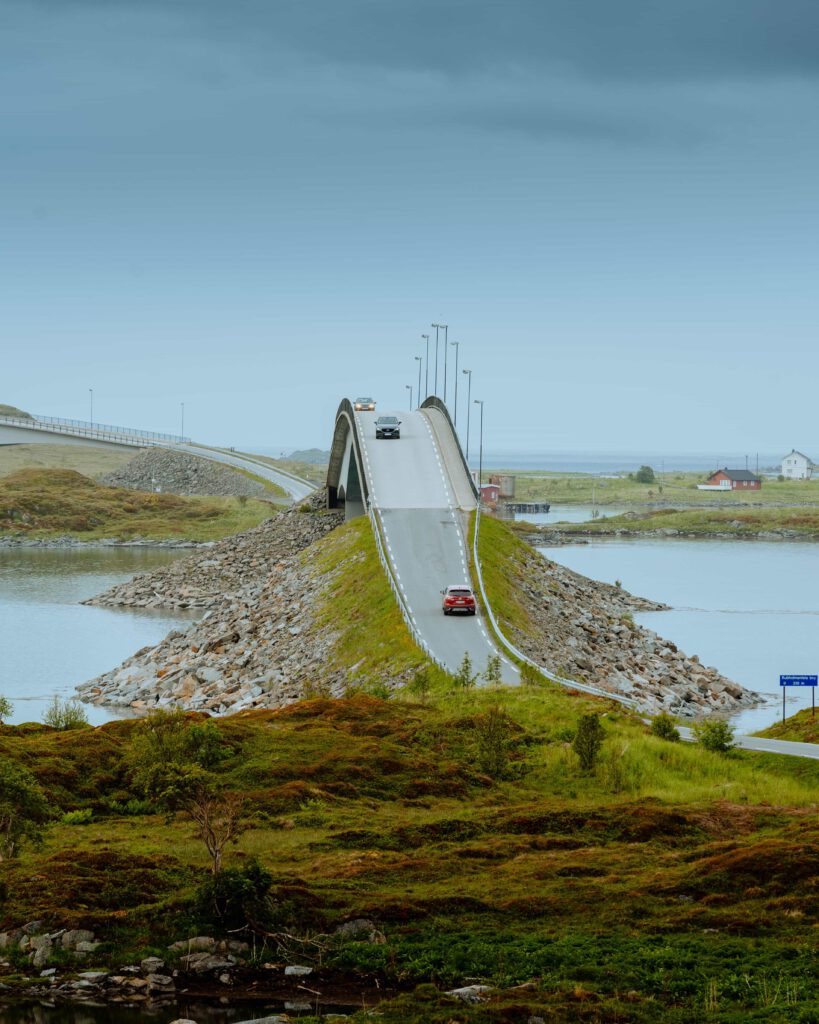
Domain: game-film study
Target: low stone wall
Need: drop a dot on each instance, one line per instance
(181, 473)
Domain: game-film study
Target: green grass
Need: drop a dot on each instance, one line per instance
(48, 503)
(676, 488)
(802, 727)
(666, 881)
(88, 460)
(739, 522)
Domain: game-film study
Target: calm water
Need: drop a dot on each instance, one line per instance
(749, 608)
(203, 1013)
(568, 514)
(49, 642)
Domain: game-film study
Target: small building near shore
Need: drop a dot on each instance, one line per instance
(731, 480)
(490, 494)
(797, 466)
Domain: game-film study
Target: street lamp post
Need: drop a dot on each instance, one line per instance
(456, 345)
(468, 407)
(445, 329)
(437, 328)
(409, 388)
(419, 360)
(426, 391)
(479, 401)
(91, 393)
(182, 433)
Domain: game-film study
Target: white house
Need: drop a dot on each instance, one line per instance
(796, 466)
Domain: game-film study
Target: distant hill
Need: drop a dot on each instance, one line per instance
(11, 410)
(315, 456)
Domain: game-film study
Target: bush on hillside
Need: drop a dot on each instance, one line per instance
(588, 740)
(715, 735)
(663, 726)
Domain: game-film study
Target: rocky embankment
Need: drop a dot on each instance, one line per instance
(263, 642)
(584, 629)
(181, 473)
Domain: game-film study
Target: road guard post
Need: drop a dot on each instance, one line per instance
(799, 681)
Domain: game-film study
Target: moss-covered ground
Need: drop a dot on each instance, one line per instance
(669, 884)
(61, 502)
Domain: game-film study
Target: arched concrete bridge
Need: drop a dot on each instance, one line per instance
(419, 494)
(49, 430)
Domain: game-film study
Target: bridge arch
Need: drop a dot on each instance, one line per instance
(346, 480)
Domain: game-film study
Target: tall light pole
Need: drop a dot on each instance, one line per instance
(426, 388)
(445, 329)
(182, 433)
(456, 345)
(468, 407)
(91, 393)
(479, 401)
(437, 328)
(409, 388)
(419, 360)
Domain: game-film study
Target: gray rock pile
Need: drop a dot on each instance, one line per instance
(201, 580)
(181, 473)
(584, 630)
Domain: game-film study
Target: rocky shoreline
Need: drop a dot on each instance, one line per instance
(554, 537)
(262, 643)
(23, 541)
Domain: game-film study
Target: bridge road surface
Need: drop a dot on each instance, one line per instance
(414, 499)
(293, 485)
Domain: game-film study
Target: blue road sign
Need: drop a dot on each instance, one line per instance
(798, 680)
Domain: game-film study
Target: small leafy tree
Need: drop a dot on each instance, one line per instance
(663, 726)
(715, 735)
(587, 741)
(492, 672)
(465, 677)
(236, 897)
(65, 714)
(6, 708)
(493, 732)
(420, 684)
(645, 475)
(24, 809)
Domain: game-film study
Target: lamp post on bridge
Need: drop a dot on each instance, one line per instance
(437, 328)
(182, 431)
(468, 407)
(445, 329)
(479, 401)
(409, 388)
(456, 345)
(419, 360)
(426, 393)
(91, 393)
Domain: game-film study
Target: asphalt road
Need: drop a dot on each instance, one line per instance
(293, 485)
(412, 493)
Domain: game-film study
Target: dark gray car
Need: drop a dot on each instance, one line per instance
(387, 426)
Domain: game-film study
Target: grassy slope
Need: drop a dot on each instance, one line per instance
(631, 894)
(678, 488)
(702, 522)
(44, 503)
(88, 460)
(802, 727)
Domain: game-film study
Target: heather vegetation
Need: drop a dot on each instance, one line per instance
(645, 883)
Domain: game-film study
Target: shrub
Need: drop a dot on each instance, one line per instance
(6, 708)
(663, 726)
(493, 731)
(715, 735)
(465, 677)
(587, 741)
(492, 672)
(235, 897)
(65, 714)
(645, 475)
(24, 809)
(420, 684)
(82, 817)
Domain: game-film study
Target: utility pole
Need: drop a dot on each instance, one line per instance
(419, 360)
(437, 328)
(479, 401)
(91, 393)
(426, 391)
(183, 420)
(468, 407)
(456, 345)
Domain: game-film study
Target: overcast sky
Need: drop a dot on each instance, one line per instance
(257, 207)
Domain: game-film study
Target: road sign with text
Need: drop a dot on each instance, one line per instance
(798, 680)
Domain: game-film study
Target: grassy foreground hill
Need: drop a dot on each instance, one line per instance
(43, 503)
(667, 884)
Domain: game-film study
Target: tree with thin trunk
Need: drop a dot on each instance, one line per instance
(218, 820)
(24, 809)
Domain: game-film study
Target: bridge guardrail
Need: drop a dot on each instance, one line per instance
(98, 431)
(515, 652)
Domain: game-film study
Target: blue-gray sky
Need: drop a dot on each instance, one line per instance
(256, 208)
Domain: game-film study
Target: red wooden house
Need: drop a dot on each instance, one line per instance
(733, 479)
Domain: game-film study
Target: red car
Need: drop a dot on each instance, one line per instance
(458, 598)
